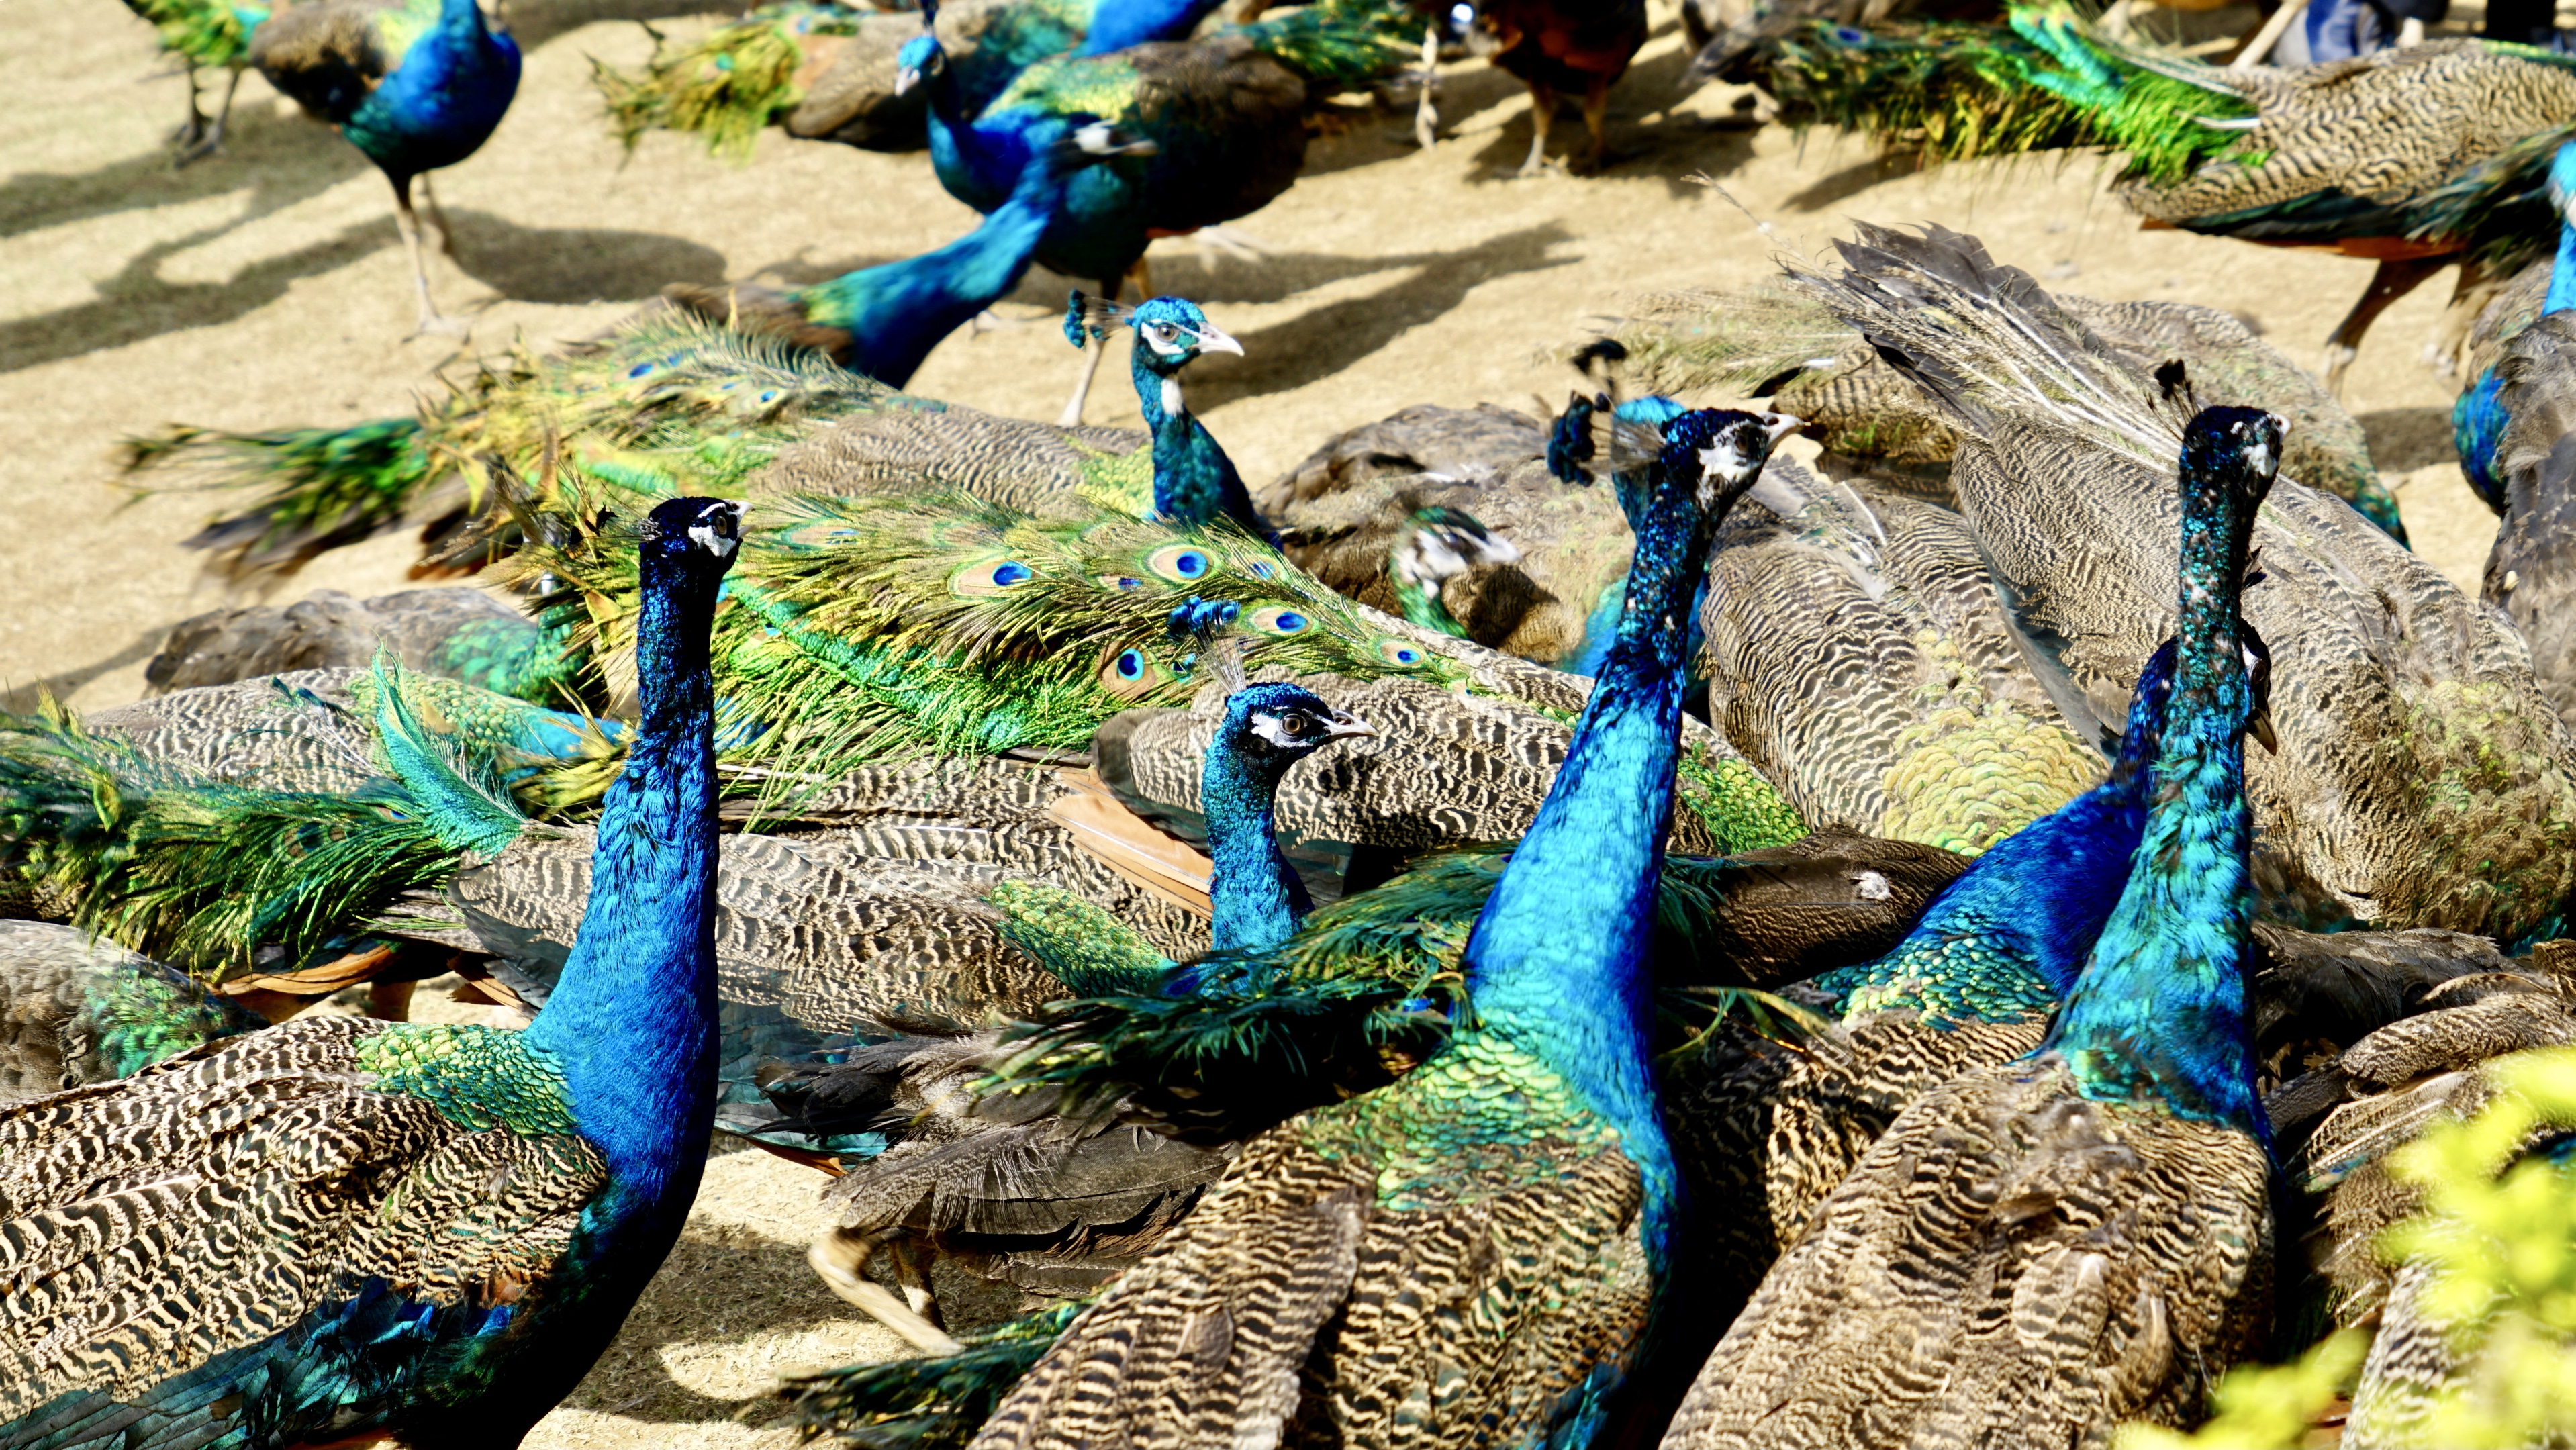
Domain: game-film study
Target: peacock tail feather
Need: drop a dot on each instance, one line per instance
(930, 1403)
(208, 32)
(1341, 44)
(1976, 767)
(1079, 942)
(726, 85)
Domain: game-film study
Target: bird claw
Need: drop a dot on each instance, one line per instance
(194, 142)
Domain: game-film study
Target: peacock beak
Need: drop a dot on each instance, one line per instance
(1211, 340)
(905, 79)
(1781, 425)
(1340, 726)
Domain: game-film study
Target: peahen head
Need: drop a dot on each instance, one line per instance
(1439, 543)
(921, 59)
(1272, 725)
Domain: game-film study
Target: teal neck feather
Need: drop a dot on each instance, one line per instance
(1194, 480)
(632, 1020)
(2159, 1013)
(2562, 270)
(1557, 961)
(1257, 898)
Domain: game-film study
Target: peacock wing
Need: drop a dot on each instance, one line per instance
(2008, 1264)
(213, 1238)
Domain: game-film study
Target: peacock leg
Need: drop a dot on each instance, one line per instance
(1090, 363)
(194, 131)
(438, 214)
(2395, 278)
(841, 1258)
(1426, 112)
(430, 320)
(912, 1259)
(199, 140)
(1542, 111)
(2469, 298)
(1596, 119)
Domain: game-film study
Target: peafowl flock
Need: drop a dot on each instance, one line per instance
(347, 1229)
(415, 87)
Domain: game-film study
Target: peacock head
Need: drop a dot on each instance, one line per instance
(1274, 724)
(2234, 450)
(1440, 543)
(1705, 461)
(694, 537)
(920, 59)
(1172, 333)
(2562, 181)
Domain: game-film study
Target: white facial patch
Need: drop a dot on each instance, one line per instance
(1172, 398)
(1721, 462)
(706, 535)
(1269, 727)
(2258, 456)
(1097, 139)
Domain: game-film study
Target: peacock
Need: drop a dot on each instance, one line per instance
(1194, 481)
(1874, 425)
(2522, 576)
(822, 70)
(1556, 47)
(1531, 1131)
(882, 321)
(204, 35)
(2039, 1250)
(1434, 545)
(2417, 157)
(414, 86)
(1227, 114)
(2425, 828)
(2479, 419)
(449, 1223)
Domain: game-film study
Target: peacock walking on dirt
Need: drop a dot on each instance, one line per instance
(822, 70)
(1227, 115)
(2417, 157)
(2478, 419)
(1557, 48)
(2041, 1250)
(456, 1220)
(882, 321)
(2054, 476)
(204, 35)
(1535, 1125)
(414, 86)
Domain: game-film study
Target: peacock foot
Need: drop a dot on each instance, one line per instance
(194, 141)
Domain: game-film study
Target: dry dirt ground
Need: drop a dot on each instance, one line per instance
(267, 287)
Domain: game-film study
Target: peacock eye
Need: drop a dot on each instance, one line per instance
(1279, 619)
(987, 577)
(1181, 563)
(1397, 652)
(1131, 664)
(1296, 723)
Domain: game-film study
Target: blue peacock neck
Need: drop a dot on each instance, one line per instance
(1118, 24)
(1194, 480)
(632, 1021)
(1557, 960)
(1258, 899)
(2562, 267)
(2159, 1012)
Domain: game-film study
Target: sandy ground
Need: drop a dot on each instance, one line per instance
(267, 287)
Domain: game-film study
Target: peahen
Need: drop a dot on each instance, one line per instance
(1520, 1173)
(2416, 157)
(343, 1229)
(2039, 1250)
(2479, 419)
(204, 35)
(826, 71)
(1228, 115)
(2054, 476)
(415, 85)
(882, 321)
(1557, 47)
(1874, 424)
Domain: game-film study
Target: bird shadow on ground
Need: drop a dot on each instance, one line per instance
(22, 698)
(1327, 339)
(576, 265)
(1849, 182)
(279, 160)
(2402, 439)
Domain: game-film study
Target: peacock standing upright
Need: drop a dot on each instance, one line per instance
(2416, 157)
(882, 321)
(1194, 480)
(2479, 419)
(204, 35)
(1299, 1290)
(1557, 47)
(455, 1220)
(1227, 115)
(2054, 478)
(2041, 1250)
(822, 70)
(415, 85)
